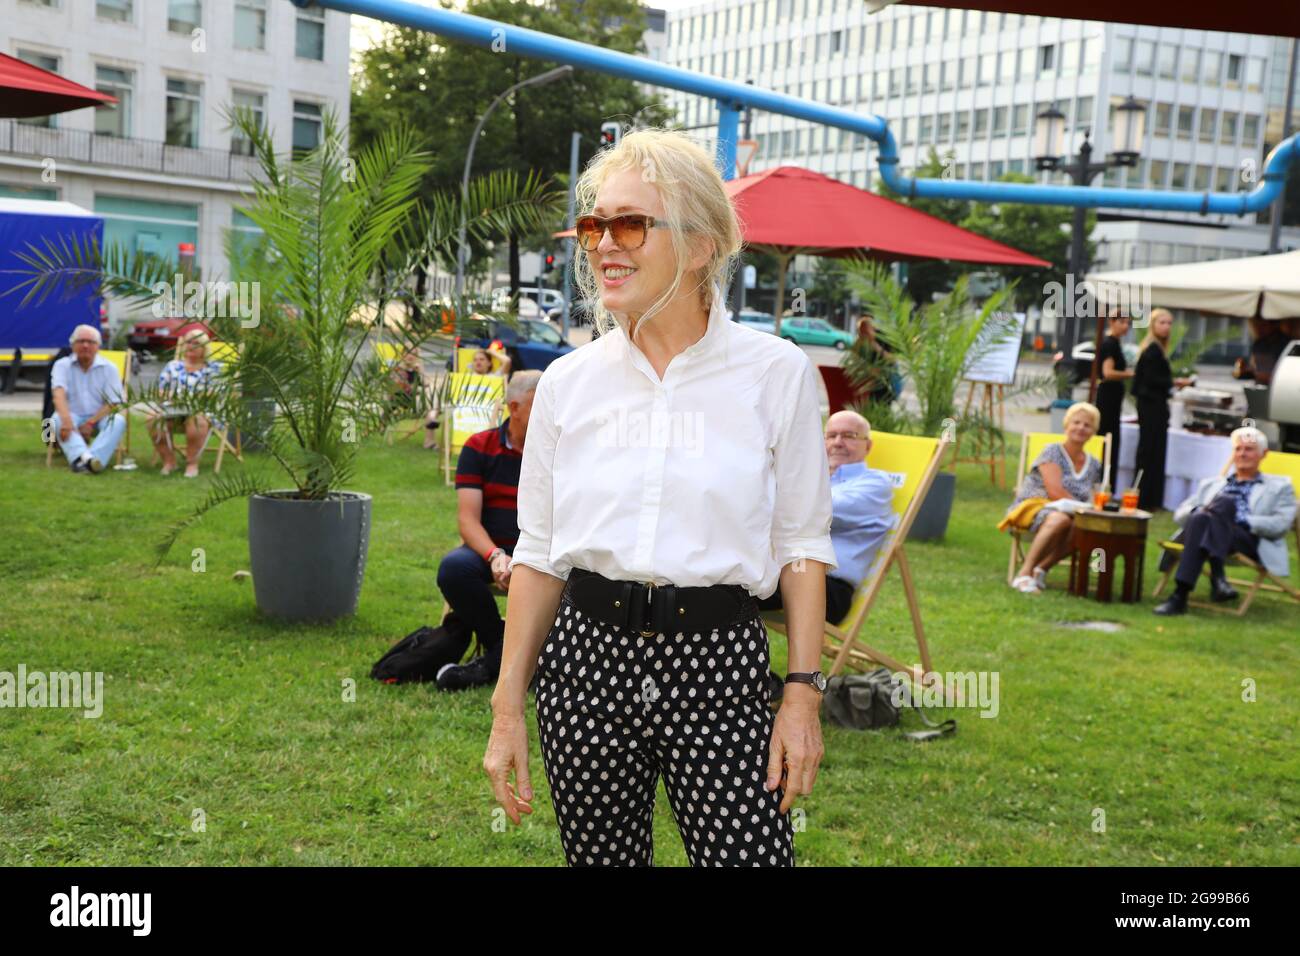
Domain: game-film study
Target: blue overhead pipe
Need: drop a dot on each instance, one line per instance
(733, 97)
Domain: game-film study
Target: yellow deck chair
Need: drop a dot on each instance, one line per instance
(465, 360)
(122, 360)
(1274, 463)
(227, 354)
(912, 463)
(1031, 446)
(390, 353)
(472, 404)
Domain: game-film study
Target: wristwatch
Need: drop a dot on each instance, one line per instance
(816, 678)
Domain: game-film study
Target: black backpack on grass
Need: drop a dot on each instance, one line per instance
(422, 653)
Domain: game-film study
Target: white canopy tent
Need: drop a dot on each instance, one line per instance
(1267, 286)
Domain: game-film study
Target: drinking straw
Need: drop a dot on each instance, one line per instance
(1138, 481)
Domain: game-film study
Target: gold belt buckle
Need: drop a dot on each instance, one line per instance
(649, 604)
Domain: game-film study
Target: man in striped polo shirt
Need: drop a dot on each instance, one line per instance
(487, 482)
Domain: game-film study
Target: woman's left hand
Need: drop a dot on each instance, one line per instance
(796, 749)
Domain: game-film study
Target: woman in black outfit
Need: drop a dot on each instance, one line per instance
(1153, 381)
(1112, 373)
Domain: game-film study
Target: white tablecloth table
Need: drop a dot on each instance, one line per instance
(1189, 457)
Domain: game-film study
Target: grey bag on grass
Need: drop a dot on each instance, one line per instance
(866, 702)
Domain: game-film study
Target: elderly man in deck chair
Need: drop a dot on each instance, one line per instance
(1246, 513)
(861, 516)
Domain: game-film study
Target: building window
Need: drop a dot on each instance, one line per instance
(981, 123)
(1249, 131)
(1047, 59)
(999, 121)
(309, 35)
(837, 42)
(1223, 179)
(1020, 120)
(963, 125)
(1201, 182)
(1070, 57)
(42, 61)
(1123, 59)
(1163, 119)
(120, 10)
(114, 120)
(147, 225)
(927, 130)
(1179, 178)
(1185, 116)
(1007, 66)
(1191, 66)
(1168, 66)
(1234, 71)
(1207, 126)
(183, 110)
(1083, 112)
(928, 84)
(256, 104)
(1254, 73)
(184, 16)
(945, 127)
(1157, 172)
(1228, 128)
(307, 126)
(1213, 68)
(250, 24)
(1144, 57)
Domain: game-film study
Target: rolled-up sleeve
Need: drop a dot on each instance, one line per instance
(536, 499)
(801, 522)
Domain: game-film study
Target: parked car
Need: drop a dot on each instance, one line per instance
(161, 335)
(532, 343)
(1079, 368)
(534, 303)
(814, 332)
(579, 314)
(756, 320)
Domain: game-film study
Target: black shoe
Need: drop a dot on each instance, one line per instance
(79, 467)
(1221, 591)
(1176, 604)
(480, 672)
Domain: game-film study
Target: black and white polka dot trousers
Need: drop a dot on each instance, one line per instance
(615, 709)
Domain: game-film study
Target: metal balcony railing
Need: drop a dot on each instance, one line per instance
(120, 152)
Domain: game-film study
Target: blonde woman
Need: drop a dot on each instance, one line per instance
(674, 473)
(191, 370)
(1062, 472)
(1153, 381)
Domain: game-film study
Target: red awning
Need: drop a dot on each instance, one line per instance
(1271, 18)
(27, 90)
(790, 209)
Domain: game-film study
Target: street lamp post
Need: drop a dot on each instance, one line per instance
(461, 248)
(1126, 134)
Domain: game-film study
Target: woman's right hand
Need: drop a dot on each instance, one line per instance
(507, 751)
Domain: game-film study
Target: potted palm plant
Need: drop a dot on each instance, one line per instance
(932, 346)
(339, 240)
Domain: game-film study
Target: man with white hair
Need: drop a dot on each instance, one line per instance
(86, 386)
(862, 512)
(1246, 513)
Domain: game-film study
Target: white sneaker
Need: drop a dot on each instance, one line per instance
(1024, 584)
(1040, 579)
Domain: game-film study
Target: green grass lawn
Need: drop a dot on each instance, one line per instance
(209, 707)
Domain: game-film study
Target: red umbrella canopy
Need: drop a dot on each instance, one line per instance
(790, 209)
(27, 90)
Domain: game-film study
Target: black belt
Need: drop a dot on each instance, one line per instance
(655, 609)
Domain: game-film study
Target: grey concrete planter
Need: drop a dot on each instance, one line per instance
(308, 557)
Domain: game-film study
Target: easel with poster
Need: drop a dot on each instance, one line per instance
(991, 370)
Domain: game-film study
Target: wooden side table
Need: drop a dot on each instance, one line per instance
(1111, 535)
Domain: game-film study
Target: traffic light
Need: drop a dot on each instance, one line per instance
(548, 262)
(610, 134)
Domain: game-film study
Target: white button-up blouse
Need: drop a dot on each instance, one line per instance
(715, 475)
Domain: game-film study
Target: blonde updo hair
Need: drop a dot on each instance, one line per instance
(191, 338)
(1087, 410)
(695, 205)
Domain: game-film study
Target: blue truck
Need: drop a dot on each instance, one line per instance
(31, 335)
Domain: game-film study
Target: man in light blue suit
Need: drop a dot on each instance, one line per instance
(1246, 513)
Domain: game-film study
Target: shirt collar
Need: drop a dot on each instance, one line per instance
(1234, 480)
(714, 338)
(850, 469)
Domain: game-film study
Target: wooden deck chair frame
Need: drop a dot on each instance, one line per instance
(124, 446)
(843, 642)
(1263, 579)
(449, 410)
(1017, 557)
(217, 352)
